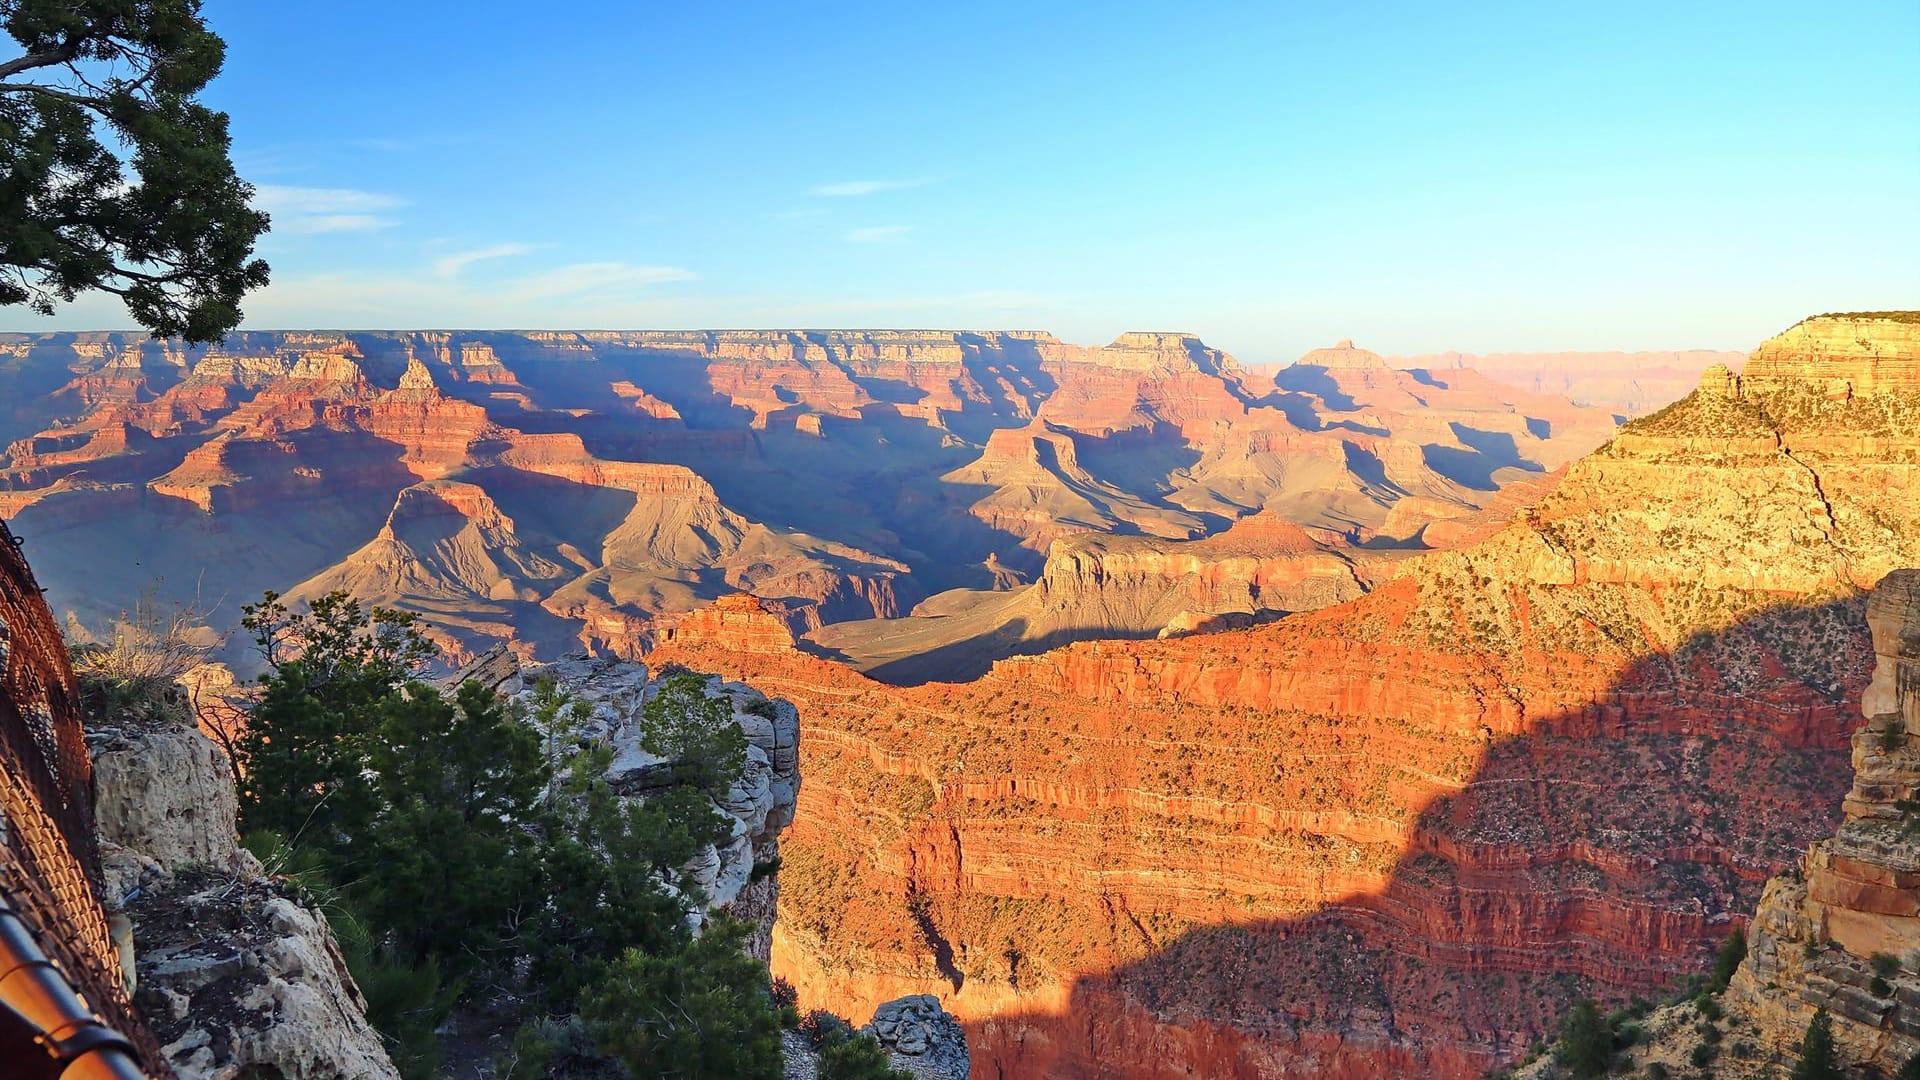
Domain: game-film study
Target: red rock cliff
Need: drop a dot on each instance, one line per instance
(1395, 835)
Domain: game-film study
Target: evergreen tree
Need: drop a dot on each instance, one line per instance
(157, 218)
(1732, 953)
(1586, 1046)
(1816, 1051)
(304, 754)
(603, 862)
(695, 731)
(460, 782)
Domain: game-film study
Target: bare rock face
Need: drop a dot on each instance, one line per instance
(236, 977)
(1844, 354)
(163, 800)
(241, 980)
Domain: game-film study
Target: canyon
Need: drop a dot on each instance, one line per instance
(1345, 721)
(1401, 832)
(565, 491)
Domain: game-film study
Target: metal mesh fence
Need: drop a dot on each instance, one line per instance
(48, 856)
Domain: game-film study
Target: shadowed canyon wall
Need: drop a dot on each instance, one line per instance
(1401, 832)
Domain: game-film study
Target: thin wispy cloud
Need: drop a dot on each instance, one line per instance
(596, 278)
(855, 188)
(325, 210)
(319, 200)
(878, 234)
(577, 293)
(451, 265)
(330, 223)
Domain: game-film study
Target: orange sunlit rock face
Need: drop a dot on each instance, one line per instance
(1400, 834)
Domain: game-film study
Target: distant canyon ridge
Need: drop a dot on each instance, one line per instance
(1002, 491)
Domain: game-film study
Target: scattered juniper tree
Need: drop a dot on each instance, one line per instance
(695, 731)
(704, 1013)
(1731, 955)
(1586, 1046)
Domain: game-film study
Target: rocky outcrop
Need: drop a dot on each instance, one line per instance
(1398, 834)
(241, 979)
(921, 1038)
(236, 975)
(164, 800)
(1859, 353)
(760, 803)
(1343, 355)
(1842, 933)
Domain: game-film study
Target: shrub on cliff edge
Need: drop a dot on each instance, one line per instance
(701, 1013)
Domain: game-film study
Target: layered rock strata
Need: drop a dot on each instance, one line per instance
(569, 490)
(1842, 933)
(1400, 833)
(1097, 586)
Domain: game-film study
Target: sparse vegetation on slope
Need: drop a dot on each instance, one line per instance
(466, 853)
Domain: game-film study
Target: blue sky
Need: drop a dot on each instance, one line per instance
(1271, 176)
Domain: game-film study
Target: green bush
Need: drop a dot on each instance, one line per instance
(702, 1012)
(1893, 735)
(858, 1058)
(695, 731)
